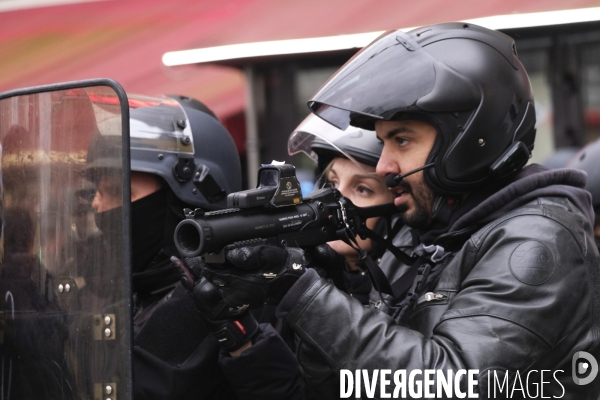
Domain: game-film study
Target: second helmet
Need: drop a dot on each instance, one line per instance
(323, 142)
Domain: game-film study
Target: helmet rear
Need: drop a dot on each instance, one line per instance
(587, 160)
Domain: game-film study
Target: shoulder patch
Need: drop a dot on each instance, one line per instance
(532, 263)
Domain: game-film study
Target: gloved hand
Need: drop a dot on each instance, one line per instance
(254, 275)
(232, 327)
(328, 264)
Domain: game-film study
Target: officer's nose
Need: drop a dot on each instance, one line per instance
(387, 164)
(96, 202)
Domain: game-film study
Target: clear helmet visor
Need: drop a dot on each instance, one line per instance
(159, 124)
(393, 74)
(156, 123)
(322, 142)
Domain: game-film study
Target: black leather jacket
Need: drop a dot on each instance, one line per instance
(521, 294)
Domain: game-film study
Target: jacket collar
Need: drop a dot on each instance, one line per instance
(455, 220)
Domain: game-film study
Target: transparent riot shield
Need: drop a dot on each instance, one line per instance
(65, 330)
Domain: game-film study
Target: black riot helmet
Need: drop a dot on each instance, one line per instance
(587, 160)
(181, 140)
(323, 142)
(465, 80)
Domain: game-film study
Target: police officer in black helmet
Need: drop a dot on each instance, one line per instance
(182, 157)
(504, 276)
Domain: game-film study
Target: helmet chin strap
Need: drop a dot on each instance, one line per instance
(393, 180)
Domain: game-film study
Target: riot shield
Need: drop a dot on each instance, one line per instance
(65, 330)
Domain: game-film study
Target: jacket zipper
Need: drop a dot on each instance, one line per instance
(430, 296)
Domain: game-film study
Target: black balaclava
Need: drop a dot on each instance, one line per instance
(110, 223)
(148, 216)
(153, 222)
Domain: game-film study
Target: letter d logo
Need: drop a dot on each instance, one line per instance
(580, 367)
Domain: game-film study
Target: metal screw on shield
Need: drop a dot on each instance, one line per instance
(580, 367)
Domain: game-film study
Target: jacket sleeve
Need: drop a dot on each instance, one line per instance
(509, 286)
(266, 370)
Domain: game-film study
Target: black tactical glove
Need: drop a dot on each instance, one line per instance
(232, 327)
(328, 264)
(255, 275)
